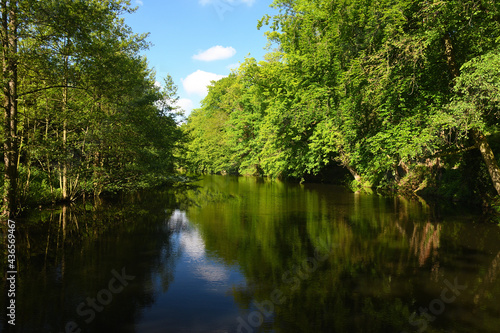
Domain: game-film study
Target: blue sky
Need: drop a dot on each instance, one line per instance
(196, 41)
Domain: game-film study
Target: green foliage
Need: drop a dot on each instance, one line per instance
(371, 86)
(36, 187)
(476, 104)
(90, 118)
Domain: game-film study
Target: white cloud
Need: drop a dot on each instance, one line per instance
(233, 66)
(158, 84)
(185, 104)
(197, 82)
(215, 53)
(139, 2)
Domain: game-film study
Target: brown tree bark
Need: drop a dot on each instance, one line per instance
(489, 158)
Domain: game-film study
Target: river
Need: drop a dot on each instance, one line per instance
(241, 254)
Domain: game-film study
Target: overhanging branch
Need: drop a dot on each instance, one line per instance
(453, 152)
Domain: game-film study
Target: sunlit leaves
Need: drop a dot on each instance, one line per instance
(91, 113)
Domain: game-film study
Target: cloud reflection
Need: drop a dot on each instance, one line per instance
(192, 247)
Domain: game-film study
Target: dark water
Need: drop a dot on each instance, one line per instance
(247, 255)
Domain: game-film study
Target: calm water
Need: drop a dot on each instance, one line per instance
(247, 255)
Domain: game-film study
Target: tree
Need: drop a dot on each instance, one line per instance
(209, 149)
(92, 119)
(390, 64)
(475, 108)
(9, 36)
(367, 85)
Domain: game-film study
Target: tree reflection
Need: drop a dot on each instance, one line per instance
(425, 241)
(67, 255)
(341, 262)
(376, 275)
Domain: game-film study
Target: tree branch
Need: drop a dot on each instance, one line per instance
(453, 152)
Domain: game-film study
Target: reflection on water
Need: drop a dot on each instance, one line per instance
(188, 241)
(198, 298)
(249, 255)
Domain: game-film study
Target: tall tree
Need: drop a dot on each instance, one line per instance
(92, 118)
(9, 39)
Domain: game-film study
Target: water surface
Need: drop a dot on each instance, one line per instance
(249, 255)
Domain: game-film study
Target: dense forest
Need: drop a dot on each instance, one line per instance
(404, 95)
(81, 111)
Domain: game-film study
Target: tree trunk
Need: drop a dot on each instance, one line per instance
(450, 56)
(353, 172)
(489, 158)
(9, 71)
(64, 176)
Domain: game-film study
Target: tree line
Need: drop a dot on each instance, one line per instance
(404, 94)
(81, 111)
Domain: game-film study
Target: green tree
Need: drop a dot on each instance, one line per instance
(367, 85)
(9, 35)
(209, 149)
(475, 108)
(92, 119)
